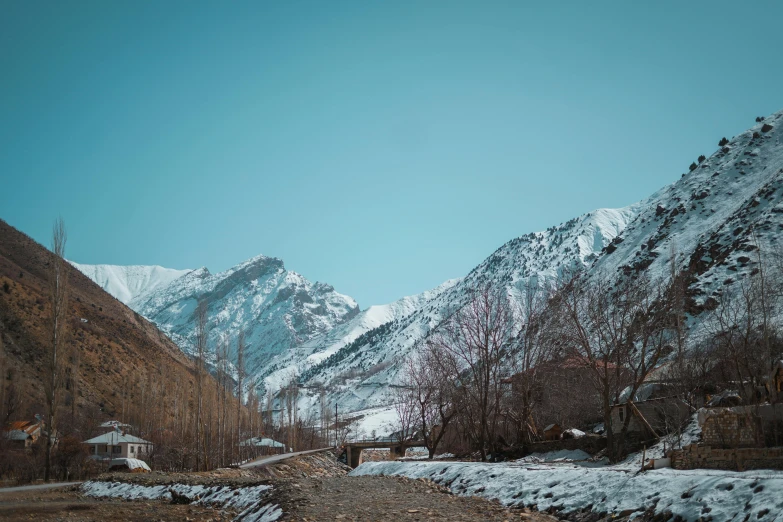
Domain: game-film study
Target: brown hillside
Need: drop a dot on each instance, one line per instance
(124, 361)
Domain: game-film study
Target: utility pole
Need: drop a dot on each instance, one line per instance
(335, 424)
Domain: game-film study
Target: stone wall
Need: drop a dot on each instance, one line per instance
(731, 429)
(699, 456)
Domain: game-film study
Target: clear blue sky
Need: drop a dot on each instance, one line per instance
(382, 147)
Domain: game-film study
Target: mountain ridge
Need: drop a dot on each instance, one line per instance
(129, 282)
(728, 206)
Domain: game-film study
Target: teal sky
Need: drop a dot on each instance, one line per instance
(382, 147)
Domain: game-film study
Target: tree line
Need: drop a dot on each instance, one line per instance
(493, 374)
(197, 421)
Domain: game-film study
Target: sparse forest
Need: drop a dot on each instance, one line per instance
(491, 377)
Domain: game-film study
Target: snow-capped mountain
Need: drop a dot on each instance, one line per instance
(716, 219)
(299, 360)
(127, 283)
(358, 375)
(277, 309)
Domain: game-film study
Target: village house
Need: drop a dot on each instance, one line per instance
(552, 432)
(561, 391)
(655, 410)
(119, 445)
(737, 436)
(23, 434)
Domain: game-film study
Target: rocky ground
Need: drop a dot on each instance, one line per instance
(386, 499)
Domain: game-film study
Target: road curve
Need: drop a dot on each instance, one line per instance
(52, 485)
(271, 459)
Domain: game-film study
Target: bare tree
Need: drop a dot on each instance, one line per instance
(404, 397)
(426, 396)
(534, 347)
(240, 384)
(621, 331)
(56, 355)
(202, 333)
(292, 407)
(744, 335)
(471, 343)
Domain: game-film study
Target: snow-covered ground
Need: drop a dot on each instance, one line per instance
(724, 496)
(375, 422)
(557, 456)
(249, 501)
(567, 480)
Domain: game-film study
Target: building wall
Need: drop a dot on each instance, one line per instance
(106, 450)
(729, 429)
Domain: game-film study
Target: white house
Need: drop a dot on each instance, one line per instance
(118, 445)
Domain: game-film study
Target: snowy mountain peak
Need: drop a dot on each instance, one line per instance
(276, 308)
(127, 283)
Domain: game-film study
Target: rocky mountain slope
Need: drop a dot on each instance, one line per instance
(293, 363)
(121, 354)
(359, 374)
(717, 219)
(277, 309)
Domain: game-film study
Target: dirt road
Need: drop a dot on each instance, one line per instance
(36, 487)
(271, 459)
(385, 499)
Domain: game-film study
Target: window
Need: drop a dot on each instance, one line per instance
(116, 449)
(621, 412)
(131, 449)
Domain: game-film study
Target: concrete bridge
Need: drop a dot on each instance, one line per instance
(397, 449)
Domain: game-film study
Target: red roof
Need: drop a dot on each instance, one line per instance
(28, 427)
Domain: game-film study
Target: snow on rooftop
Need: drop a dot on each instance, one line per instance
(115, 438)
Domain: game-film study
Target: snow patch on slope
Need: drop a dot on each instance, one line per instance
(127, 283)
